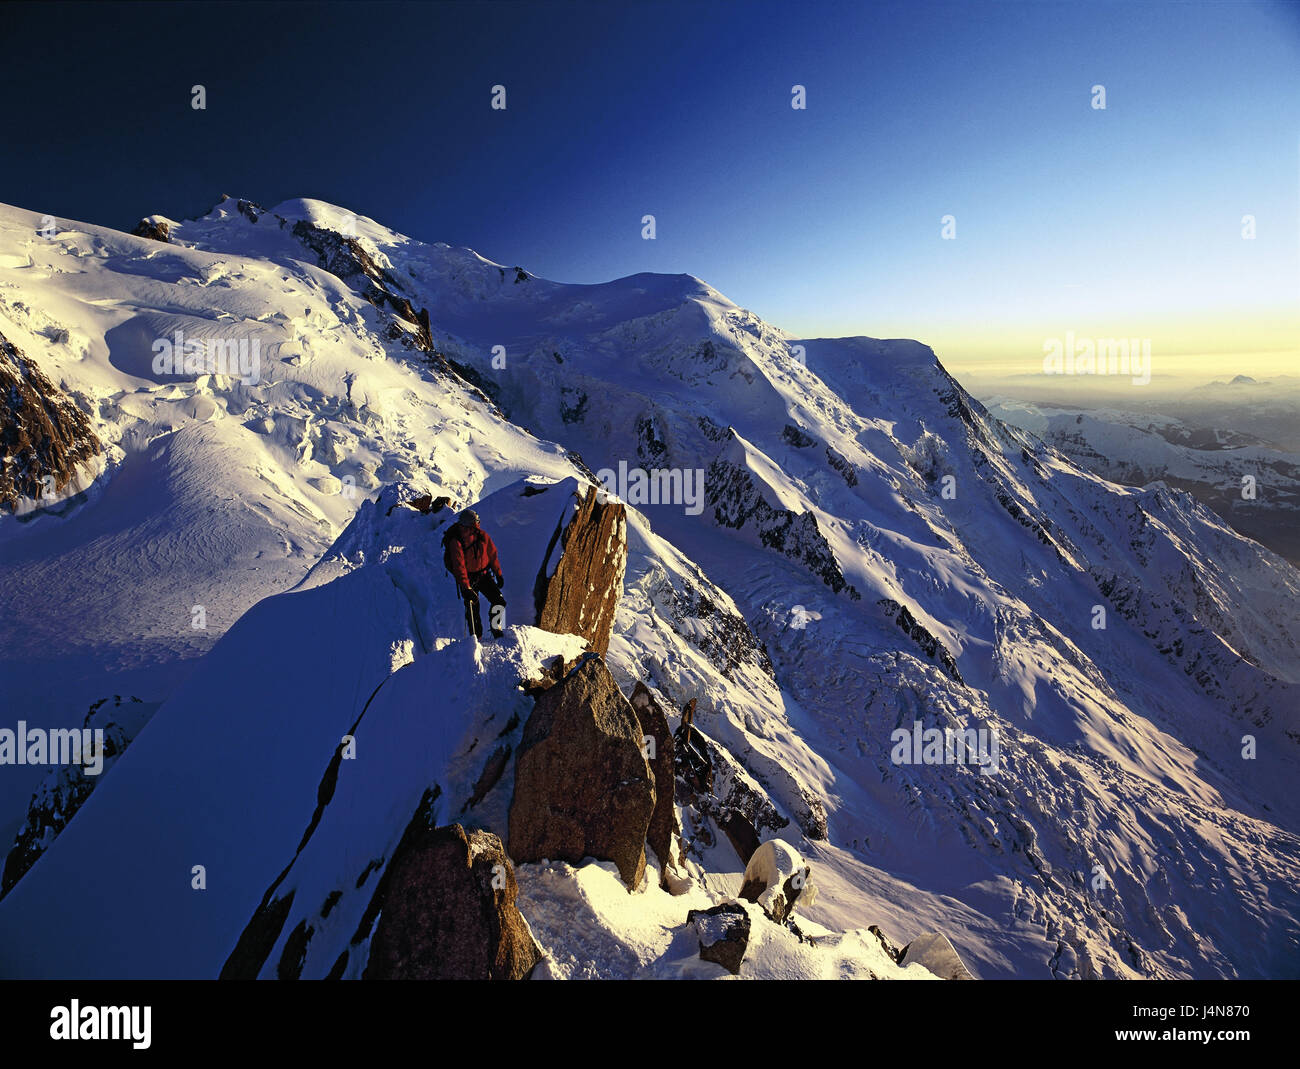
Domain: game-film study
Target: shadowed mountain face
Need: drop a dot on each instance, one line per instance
(824, 552)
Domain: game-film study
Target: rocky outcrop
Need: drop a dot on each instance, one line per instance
(258, 939)
(416, 333)
(936, 953)
(657, 741)
(425, 504)
(723, 932)
(737, 503)
(930, 646)
(553, 672)
(796, 437)
(697, 614)
(651, 445)
(248, 209)
(691, 752)
(155, 227)
(487, 390)
(44, 436)
(840, 464)
(346, 258)
(577, 593)
(886, 944)
(582, 784)
(776, 877)
(714, 789)
(1176, 627)
(449, 912)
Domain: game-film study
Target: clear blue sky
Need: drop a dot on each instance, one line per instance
(824, 221)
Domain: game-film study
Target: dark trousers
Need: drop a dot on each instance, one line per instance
(483, 583)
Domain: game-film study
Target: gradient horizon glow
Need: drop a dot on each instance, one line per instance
(826, 221)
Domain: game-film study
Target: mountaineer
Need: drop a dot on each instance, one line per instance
(471, 556)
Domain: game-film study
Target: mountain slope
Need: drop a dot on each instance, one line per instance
(868, 548)
(1212, 464)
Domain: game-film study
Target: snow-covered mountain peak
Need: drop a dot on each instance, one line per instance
(831, 542)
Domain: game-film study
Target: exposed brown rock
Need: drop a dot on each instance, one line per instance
(449, 912)
(723, 932)
(582, 785)
(425, 504)
(554, 671)
(153, 226)
(663, 821)
(346, 258)
(42, 432)
(581, 596)
(422, 337)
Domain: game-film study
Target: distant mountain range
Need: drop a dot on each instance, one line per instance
(1251, 483)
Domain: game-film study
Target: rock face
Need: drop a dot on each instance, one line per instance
(937, 954)
(723, 932)
(346, 258)
(722, 636)
(449, 912)
(886, 944)
(663, 821)
(738, 503)
(425, 504)
(930, 645)
(776, 878)
(691, 754)
(582, 785)
(153, 226)
(44, 436)
(581, 594)
(715, 788)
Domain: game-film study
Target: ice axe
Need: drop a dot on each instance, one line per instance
(464, 604)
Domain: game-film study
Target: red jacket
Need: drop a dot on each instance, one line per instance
(470, 550)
